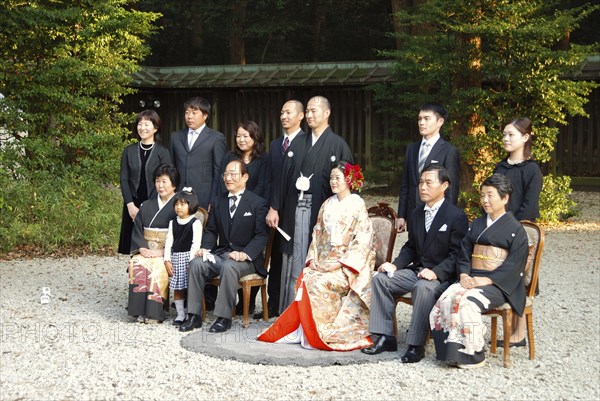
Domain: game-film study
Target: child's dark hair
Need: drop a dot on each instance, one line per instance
(188, 196)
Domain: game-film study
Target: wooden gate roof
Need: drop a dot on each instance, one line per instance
(261, 75)
(286, 75)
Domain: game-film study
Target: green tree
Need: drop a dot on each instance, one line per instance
(214, 32)
(490, 62)
(64, 68)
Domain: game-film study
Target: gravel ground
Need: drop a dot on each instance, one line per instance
(82, 345)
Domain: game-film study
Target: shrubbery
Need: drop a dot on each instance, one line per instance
(64, 69)
(47, 215)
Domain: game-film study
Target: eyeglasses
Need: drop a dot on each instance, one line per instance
(234, 176)
(428, 183)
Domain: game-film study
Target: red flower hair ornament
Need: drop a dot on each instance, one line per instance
(354, 177)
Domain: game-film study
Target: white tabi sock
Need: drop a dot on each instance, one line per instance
(180, 309)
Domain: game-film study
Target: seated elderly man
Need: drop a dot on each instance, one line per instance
(426, 266)
(232, 247)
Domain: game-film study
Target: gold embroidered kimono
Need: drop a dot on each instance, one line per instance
(332, 306)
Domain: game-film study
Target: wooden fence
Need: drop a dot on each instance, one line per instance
(578, 145)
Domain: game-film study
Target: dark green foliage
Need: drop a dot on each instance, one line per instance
(64, 68)
(274, 31)
(489, 62)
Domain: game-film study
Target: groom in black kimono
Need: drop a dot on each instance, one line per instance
(303, 188)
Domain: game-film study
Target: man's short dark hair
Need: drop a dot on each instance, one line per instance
(198, 103)
(435, 108)
(442, 173)
(243, 166)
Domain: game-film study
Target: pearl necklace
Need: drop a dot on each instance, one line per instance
(146, 149)
(513, 162)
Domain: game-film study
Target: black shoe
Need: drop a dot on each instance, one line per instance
(221, 325)
(273, 312)
(522, 343)
(413, 354)
(381, 343)
(177, 322)
(239, 309)
(191, 322)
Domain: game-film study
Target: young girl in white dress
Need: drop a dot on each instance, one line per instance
(182, 243)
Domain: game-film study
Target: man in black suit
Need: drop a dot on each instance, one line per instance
(431, 149)
(232, 247)
(291, 117)
(197, 152)
(426, 266)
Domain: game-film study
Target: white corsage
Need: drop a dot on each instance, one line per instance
(303, 184)
(332, 158)
(290, 154)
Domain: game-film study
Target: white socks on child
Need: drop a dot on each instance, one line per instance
(180, 309)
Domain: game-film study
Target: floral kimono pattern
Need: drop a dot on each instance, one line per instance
(332, 306)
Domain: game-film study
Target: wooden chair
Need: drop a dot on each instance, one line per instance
(384, 229)
(535, 234)
(383, 218)
(247, 282)
(202, 216)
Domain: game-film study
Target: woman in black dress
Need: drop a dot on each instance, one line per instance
(526, 178)
(250, 148)
(138, 162)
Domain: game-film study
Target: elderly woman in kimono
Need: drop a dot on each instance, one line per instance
(490, 268)
(148, 277)
(333, 296)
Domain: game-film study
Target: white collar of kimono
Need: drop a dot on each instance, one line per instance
(160, 206)
(161, 203)
(315, 138)
(489, 220)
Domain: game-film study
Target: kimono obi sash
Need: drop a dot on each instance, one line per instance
(487, 257)
(155, 237)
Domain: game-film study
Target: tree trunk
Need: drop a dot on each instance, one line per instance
(471, 123)
(185, 52)
(318, 20)
(237, 45)
(399, 27)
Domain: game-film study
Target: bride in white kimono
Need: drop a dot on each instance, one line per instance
(333, 296)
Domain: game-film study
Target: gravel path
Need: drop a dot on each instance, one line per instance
(82, 345)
